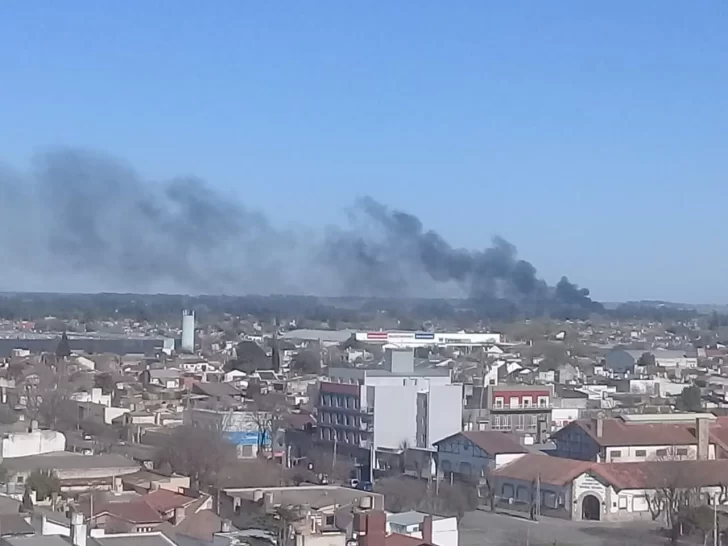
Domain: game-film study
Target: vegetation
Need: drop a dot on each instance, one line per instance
(44, 483)
(197, 452)
(690, 399)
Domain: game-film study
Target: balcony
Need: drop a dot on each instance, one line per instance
(521, 408)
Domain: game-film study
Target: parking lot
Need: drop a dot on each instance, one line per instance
(485, 528)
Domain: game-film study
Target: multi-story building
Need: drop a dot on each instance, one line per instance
(367, 411)
(518, 408)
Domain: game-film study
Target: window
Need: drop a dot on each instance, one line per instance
(514, 402)
(526, 401)
(622, 503)
(616, 454)
(543, 401)
(499, 402)
(640, 453)
(19, 479)
(330, 520)
(507, 491)
(661, 453)
(682, 451)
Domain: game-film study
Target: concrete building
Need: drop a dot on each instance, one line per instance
(33, 442)
(517, 408)
(583, 490)
(425, 339)
(412, 523)
(382, 410)
(631, 438)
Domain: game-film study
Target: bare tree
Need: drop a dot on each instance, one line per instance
(200, 453)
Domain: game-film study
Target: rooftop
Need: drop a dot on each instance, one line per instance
(64, 460)
(316, 496)
(550, 470)
(492, 442)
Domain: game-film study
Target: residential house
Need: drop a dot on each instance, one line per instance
(641, 437)
(412, 524)
(470, 455)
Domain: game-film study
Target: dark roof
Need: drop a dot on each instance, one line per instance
(493, 442)
(550, 470)
(217, 390)
(201, 525)
(163, 500)
(616, 432)
(15, 524)
(135, 511)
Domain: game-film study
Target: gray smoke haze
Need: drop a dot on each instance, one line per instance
(82, 221)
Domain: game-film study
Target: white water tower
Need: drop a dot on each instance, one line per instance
(188, 331)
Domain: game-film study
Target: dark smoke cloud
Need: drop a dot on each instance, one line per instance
(82, 221)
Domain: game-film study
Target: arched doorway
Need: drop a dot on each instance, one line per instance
(591, 508)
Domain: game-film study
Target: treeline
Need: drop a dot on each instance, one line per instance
(330, 312)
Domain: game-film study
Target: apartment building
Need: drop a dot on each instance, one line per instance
(385, 409)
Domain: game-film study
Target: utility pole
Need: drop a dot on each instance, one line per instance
(715, 519)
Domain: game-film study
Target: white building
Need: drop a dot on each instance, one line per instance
(384, 409)
(424, 339)
(444, 530)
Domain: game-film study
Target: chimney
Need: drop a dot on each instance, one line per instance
(426, 527)
(702, 433)
(33, 426)
(600, 427)
(78, 530)
(225, 526)
(179, 515)
(371, 528)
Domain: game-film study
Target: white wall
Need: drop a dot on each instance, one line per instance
(505, 458)
(629, 454)
(22, 444)
(395, 416)
(444, 412)
(560, 417)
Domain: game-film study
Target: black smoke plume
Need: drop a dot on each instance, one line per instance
(84, 222)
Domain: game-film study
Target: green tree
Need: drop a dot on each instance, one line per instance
(690, 399)
(64, 348)
(44, 483)
(307, 361)
(647, 359)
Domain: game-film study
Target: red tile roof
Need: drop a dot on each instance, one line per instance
(618, 433)
(663, 474)
(163, 500)
(551, 470)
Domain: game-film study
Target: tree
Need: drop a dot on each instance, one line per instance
(250, 357)
(27, 503)
(197, 452)
(674, 498)
(690, 399)
(63, 350)
(646, 360)
(307, 361)
(268, 410)
(44, 483)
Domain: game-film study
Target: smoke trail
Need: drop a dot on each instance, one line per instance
(83, 221)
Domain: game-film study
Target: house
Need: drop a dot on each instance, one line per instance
(135, 516)
(412, 524)
(77, 473)
(471, 454)
(629, 438)
(584, 490)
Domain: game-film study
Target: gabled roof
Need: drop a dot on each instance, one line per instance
(663, 474)
(493, 442)
(163, 500)
(135, 511)
(616, 432)
(550, 470)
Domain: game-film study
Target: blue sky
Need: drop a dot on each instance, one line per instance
(593, 135)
